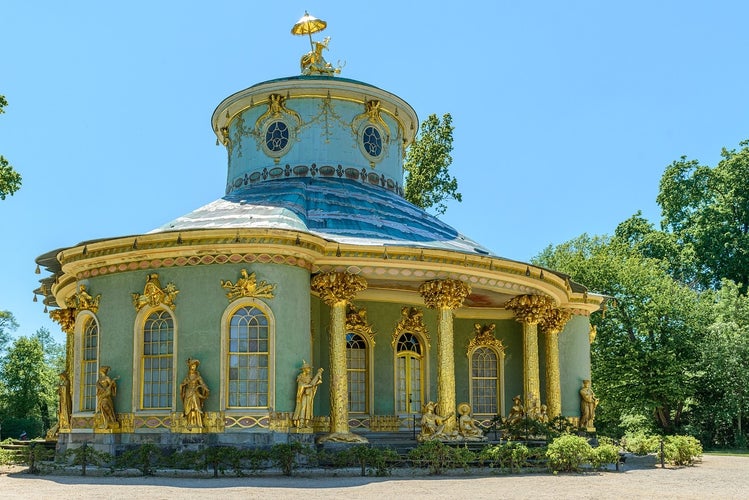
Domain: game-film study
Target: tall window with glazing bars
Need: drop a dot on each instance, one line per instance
(248, 359)
(158, 349)
(89, 364)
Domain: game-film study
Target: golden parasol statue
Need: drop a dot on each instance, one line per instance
(313, 62)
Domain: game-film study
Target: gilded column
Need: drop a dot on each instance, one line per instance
(445, 295)
(530, 311)
(552, 324)
(337, 290)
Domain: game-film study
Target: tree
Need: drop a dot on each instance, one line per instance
(647, 350)
(10, 180)
(428, 182)
(8, 325)
(707, 210)
(29, 373)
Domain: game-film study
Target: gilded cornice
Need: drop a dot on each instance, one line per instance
(412, 320)
(531, 309)
(447, 293)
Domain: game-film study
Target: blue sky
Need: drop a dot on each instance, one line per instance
(565, 113)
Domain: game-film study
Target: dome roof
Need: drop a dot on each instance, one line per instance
(336, 209)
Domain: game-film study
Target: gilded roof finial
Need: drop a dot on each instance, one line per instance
(313, 62)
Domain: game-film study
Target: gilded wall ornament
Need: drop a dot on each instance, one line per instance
(484, 337)
(530, 309)
(592, 333)
(372, 114)
(247, 286)
(65, 317)
(336, 287)
(153, 295)
(83, 301)
(356, 322)
(447, 293)
(412, 320)
(277, 110)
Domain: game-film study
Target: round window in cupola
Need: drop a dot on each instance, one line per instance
(277, 138)
(371, 142)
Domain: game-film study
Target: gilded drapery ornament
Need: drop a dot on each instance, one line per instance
(336, 287)
(83, 301)
(153, 295)
(555, 319)
(65, 317)
(530, 309)
(484, 337)
(356, 322)
(447, 293)
(247, 286)
(412, 320)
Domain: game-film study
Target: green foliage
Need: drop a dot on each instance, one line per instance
(36, 452)
(428, 181)
(439, 457)
(604, 454)
(86, 455)
(681, 450)
(144, 458)
(568, 453)
(640, 443)
(510, 456)
(377, 461)
(8, 325)
(10, 180)
(706, 209)
(286, 455)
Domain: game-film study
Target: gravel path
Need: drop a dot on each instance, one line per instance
(723, 477)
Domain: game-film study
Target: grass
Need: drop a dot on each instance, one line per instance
(739, 452)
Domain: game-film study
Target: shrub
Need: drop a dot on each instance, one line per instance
(285, 455)
(603, 454)
(640, 443)
(86, 455)
(144, 458)
(568, 453)
(681, 450)
(375, 460)
(439, 457)
(511, 456)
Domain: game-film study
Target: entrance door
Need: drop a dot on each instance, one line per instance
(409, 382)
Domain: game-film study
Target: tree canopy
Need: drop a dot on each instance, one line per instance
(10, 180)
(428, 181)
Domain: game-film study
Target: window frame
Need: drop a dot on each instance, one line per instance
(82, 321)
(139, 357)
(500, 383)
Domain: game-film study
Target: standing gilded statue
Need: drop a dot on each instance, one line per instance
(106, 390)
(193, 392)
(588, 404)
(65, 407)
(306, 387)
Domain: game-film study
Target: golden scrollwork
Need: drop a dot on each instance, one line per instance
(484, 336)
(555, 319)
(356, 322)
(83, 301)
(412, 320)
(65, 317)
(443, 293)
(153, 295)
(530, 309)
(248, 286)
(334, 287)
(372, 113)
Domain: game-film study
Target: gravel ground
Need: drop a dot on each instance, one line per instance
(724, 477)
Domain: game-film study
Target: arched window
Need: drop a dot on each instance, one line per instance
(157, 361)
(409, 373)
(248, 353)
(89, 364)
(485, 387)
(357, 365)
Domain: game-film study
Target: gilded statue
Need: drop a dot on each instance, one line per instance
(306, 388)
(543, 414)
(82, 300)
(106, 390)
(517, 412)
(588, 404)
(247, 286)
(467, 426)
(433, 425)
(313, 62)
(65, 407)
(193, 391)
(153, 295)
